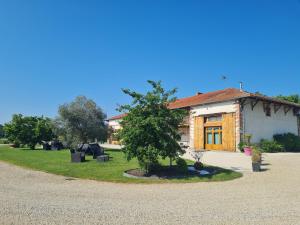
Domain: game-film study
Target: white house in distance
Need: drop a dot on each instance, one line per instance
(218, 120)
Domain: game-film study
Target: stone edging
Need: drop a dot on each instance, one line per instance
(125, 174)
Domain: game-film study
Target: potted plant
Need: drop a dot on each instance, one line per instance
(247, 147)
(256, 160)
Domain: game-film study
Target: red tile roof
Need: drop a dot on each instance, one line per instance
(117, 117)
(214, 97)
(210, 97)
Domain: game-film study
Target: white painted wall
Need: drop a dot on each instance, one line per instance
(260, 126)
(185, 135)
(224, 107)
(115, 124)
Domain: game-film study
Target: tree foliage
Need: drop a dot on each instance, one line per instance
(80, 121)
(291, 98)
(1, 131)
(28, 130)
(150, 128)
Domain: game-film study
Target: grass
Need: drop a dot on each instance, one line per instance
(58, 162)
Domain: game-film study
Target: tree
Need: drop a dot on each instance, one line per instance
(28, 130)
(150, 128)
(80, 121)
(1, 131)
(44, 129)
(291, 98)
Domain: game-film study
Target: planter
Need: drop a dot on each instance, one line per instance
(248, 151)
(102, 158)
(256, 166)
(77, 157)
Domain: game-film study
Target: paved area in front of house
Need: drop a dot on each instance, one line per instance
(270, 197)
(230, 160)
(111, 146)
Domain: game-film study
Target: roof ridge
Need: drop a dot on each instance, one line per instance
(210, 92)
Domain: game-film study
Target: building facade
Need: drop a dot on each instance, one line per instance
(220, 120)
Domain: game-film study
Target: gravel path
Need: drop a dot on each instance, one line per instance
(270, 197)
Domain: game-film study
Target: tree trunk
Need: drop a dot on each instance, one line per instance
(171, 160)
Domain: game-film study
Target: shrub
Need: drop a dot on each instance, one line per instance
(270, 146)
(289, 141)
(247, 139)
(256, 155)
(4, 141)
(181, 165)
(242, 145)
(153, 167)
(198, 165)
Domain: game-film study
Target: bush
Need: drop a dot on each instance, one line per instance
(256, 155)
(4, 141)
(242, 145)
(270, 146)
(198, 165)
(289, 141)
(181, 165)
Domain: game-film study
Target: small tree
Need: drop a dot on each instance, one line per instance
(28, 130)
(150, 128)
(80, 121)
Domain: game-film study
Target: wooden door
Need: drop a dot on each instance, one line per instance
(228, 127)
(213, 138)
(199, 133)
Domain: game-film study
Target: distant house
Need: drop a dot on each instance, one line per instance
(219, 120)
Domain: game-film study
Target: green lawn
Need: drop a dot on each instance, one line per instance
(58, 162)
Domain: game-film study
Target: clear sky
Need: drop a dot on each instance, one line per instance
(54, 50)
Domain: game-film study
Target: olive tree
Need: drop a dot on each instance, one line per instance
(80, 121)
(150, 128)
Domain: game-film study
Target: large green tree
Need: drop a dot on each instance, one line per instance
(1, 131)
(150, 128)
(28, 130)
(80, 121)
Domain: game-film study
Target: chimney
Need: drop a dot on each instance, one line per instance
(241, 86)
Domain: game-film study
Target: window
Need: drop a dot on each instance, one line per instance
(209, 138)
(268, 110)
(213, 135)
(217, 135)
(214, 118)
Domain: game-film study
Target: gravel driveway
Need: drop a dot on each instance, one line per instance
(269, 197)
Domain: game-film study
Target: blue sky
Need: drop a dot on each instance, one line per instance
(53, 50)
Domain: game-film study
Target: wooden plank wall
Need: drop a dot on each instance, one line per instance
(199, 132)
(228, 127)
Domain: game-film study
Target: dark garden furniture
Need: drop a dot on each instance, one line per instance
(76, 156)
(93, 149)
(102, 158)
(46, 146)
(56, 145)
(52, 145)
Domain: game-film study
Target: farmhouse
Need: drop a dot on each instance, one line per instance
(220, 120)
